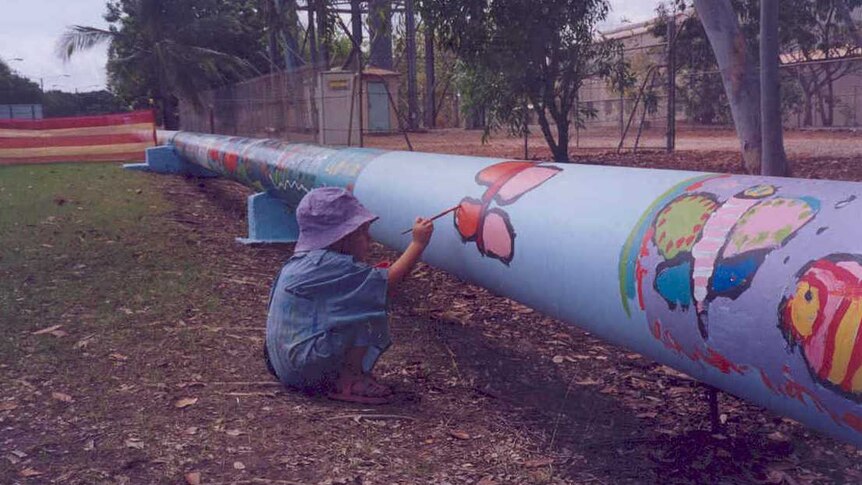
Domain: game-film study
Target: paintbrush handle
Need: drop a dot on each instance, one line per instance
(434, 218)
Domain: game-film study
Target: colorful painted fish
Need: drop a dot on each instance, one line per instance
(713, 249)
(823, 316)
(490, 227)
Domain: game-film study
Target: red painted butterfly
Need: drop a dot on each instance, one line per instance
(490, 227)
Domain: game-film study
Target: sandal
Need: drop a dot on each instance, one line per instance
(382, 389)
(362, 391)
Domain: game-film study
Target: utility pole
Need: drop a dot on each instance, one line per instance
(412, 97)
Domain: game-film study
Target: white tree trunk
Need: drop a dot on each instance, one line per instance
(738, 74)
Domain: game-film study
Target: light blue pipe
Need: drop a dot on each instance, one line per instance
(750, 284)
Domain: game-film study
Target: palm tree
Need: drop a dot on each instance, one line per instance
(164, 50)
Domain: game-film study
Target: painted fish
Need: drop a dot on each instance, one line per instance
(823, 316)
(488, 226)
(714, 249)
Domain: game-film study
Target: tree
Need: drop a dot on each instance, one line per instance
(59, 103)
(163, 50)
(823, 45)
(16, 89)
(525, 54)
(773, 159)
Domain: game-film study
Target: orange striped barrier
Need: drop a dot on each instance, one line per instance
(103, 138)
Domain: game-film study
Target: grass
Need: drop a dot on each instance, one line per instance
(80, 247)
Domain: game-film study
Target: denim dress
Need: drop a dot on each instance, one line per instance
(322, 304)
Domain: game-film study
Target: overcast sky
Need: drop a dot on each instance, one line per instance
(29, 30)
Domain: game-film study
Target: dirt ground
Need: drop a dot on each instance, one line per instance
(799, 144)
(489, 391)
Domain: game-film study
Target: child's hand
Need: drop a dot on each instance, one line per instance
(422, 230)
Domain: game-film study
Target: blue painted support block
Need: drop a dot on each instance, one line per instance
(164, 159)
(270, 221)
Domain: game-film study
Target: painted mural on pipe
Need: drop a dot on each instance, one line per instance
(718, 252)
(751, 284)
(286, 170)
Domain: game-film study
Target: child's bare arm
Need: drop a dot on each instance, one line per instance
(422, 230)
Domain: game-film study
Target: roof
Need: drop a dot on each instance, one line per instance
(379, 72)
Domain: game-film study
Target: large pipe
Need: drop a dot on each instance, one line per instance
(750, 284)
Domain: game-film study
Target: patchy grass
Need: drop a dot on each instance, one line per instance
(82, 246)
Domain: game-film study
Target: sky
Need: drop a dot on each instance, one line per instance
(29, 30)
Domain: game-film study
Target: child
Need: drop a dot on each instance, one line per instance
(327, 323)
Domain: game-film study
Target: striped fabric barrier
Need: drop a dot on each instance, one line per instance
(104, 138)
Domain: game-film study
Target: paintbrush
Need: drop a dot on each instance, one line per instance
(436, 217)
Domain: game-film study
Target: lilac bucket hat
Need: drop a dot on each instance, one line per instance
(326, 215)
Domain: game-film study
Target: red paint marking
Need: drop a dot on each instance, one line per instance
(689, 240)
(831, 338)
(695, 186)
(640, 271)
(671, 343)
(230, 162)
(679, 242)
(854, 364)
(722, 363)
(768, 383)
(655, 328)
(697, 228)
(854, 421)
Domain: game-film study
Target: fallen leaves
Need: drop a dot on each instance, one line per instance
(62, 396)
(135, 443)
(84, 342)
(539, 462)
(7, 406)
(29, 472)
(193, 478)
(118, 357)
(460, 435)
(53, 330)
(238, 465)
(185, 402)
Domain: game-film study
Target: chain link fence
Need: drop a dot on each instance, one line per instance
(630, 111)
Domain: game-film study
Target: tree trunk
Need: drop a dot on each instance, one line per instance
(292, 59)
(830, 103)
(738, 74)
(380, 24)
(356, 28)
(412, 94)
(561, 154)
(322, 33)
(774, 160)
(430, 102)
(546, 128)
